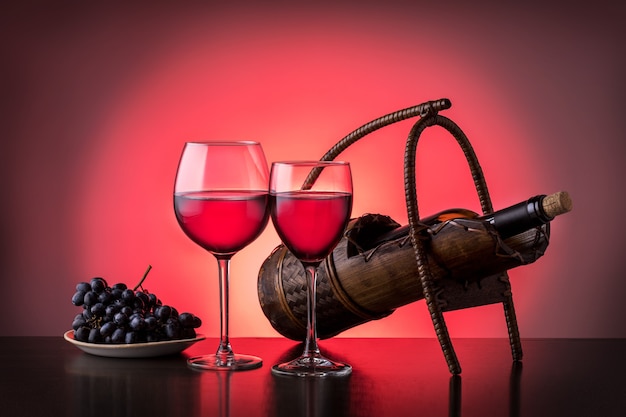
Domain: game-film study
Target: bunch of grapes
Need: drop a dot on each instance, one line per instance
(118, 314)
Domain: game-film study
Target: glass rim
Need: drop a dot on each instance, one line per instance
(306, 162)
(223, 142)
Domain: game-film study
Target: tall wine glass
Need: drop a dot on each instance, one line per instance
(311, 202)
(221, 203)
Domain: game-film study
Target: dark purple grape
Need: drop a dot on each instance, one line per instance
(82, 334)
(116, 293)
(151, 322)
(79, 321)
(128, 296)
(163, 312)
(118, 336)
(138, 304)
(83, 286)
(120, 303)
(111, 310)
(90, 298)
(152, 300)
(98, 285)
(98, 310)
(87, 314)
(143, 296)
(78, 298)
(94, 336)
(120, 319)
(131, 337)
(119, 286)
(105, 297)
(172, 331)
(107, 329)
(196, 322)
(127, 311)
(186, 320)
(137, 323)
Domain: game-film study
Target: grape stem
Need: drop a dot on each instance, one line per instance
(145, 274)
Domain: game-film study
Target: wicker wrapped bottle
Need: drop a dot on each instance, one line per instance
(373, 271)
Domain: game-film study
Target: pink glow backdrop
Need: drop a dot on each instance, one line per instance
(97, 102)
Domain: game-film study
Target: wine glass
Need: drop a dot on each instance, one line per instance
(311, 202)
(221, 203)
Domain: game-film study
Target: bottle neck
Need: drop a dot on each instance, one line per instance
(519, 217)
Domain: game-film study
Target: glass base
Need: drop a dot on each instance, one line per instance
(234, 362)
(312, 366)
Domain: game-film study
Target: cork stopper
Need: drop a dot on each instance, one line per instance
(557, 204)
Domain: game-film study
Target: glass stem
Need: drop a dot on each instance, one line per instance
(310, 345)
(224, 351)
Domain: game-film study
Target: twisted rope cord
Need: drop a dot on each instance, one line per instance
(416, 228)
(397, 116)
(511, 322)
(366, 129)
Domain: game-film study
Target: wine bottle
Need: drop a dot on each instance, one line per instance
(373, 269)
(508, 222)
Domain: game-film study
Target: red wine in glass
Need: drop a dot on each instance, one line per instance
(222, 221)
(221, 203)
(310, 203)
(311, 221)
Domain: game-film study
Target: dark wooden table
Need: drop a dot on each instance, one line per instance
(47, 376)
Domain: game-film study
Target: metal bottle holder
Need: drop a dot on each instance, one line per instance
(369, 274)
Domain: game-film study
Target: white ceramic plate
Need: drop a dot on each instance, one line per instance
(135, 350)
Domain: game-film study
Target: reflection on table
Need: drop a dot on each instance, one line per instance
(391, 377)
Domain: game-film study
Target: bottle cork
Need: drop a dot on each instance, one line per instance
(557, 204)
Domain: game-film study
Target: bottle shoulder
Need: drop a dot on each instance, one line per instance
(450, 214)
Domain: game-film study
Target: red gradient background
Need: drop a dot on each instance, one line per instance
(97, 101)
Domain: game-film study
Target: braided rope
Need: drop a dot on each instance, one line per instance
(416, 228)
(366, 129)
